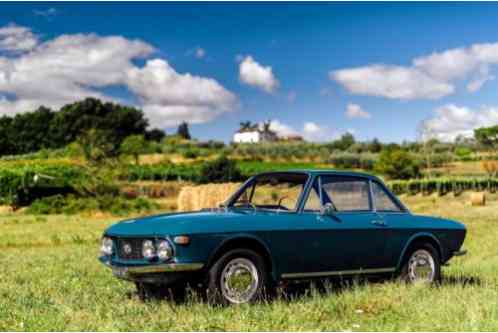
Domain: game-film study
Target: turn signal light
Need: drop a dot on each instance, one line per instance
(181, 240)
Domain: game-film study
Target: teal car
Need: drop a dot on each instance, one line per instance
(282, 226)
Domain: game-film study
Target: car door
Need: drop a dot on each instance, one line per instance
(394, 216)
(359, 232)
(308, 243)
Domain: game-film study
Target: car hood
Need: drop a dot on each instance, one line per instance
(212, 221)
(437, 222)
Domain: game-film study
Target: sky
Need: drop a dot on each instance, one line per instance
(392, 71)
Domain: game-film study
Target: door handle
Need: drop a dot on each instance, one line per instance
(380, 223)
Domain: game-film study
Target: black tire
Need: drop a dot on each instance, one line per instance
(423, 248)
(217, 294)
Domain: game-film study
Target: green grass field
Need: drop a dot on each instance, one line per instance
(50, 279)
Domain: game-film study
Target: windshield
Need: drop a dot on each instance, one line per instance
(272, 191)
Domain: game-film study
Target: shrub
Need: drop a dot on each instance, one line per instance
(220, 170)
(364, 161)
(191, 153)
(134, 145)
(397, 164)
(463, 152)
(443, 186)
(69, 205)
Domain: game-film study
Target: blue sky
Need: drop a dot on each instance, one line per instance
(326, 58)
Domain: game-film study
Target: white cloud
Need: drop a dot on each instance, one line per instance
(72, 67)
(168, 97)
(310, 131)
(395, 82)
(254, 74)
(451, 121)
(282, 129)
(480, 79)
(200, 53)
(14, 38)
(355, 111)
(428, 77)
(197, 52)
(315, 132)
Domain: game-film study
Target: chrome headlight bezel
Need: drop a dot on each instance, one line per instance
(107, 246)
(148, 249)
(164, 250)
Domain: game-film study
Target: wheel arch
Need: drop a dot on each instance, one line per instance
(418, 238)
(244, 241)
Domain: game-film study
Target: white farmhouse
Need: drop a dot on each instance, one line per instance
(254, 133)
(247, 137)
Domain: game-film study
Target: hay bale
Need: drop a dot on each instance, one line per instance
(193, 198)
(5, 209)
(478, 199)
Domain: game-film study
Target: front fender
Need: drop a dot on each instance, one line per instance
(415, 237)
(242, 240)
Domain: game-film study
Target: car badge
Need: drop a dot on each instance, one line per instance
(127, 248)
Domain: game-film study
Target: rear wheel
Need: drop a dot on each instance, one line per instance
(422, 265)
(238, 277)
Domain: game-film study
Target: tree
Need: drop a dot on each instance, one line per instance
(155, 134)
(346, 141)
(96, 146)
(397, 164)
(487, 136)
(44, 128)
(220, 170)
(77, 118)
(133, 145)
(6, 145)
(375, 146)
(183, 131)
(30, 131)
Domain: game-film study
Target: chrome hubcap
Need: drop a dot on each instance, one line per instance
(239, 280)
(421, 267)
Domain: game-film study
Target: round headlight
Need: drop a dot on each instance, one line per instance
(164, 250)
(148, 249)
(106, 248)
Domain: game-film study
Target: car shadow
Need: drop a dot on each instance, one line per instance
(301, 289)
(295, 290)
(462, 280)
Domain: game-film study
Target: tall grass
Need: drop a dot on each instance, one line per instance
(51, 280)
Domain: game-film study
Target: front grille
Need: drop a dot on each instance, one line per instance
(133, 244)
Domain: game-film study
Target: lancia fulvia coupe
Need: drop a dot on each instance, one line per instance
(283, 226)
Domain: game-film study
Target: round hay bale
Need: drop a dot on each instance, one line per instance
(6, 209)
(478, 199)
(193, 198)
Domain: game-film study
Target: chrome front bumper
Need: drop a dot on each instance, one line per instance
(127, 272)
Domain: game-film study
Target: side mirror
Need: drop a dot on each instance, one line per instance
(327, 209)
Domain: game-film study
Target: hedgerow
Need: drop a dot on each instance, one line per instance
(443, 186)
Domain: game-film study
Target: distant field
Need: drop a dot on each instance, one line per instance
(51, 280)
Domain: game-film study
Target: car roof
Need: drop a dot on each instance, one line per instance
(325, 172)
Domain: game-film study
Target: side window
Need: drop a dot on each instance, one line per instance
(383, 201)
(313, 202)
(347, 193)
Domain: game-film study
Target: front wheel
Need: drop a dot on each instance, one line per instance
(238, 277)
(422, 265)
